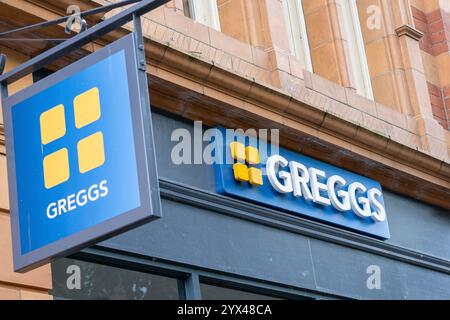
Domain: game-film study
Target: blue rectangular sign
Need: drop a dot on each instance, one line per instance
(77, 160)
(298, 184)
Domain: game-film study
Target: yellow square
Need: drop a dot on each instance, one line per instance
(91, 153)
(255, 176)
(252, 155)
(240, 172)
(56, 168)
(53, 124)
(87, 107)
(237, 151)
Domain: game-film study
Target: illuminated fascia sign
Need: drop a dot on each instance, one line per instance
(80, 167)
(301, 185)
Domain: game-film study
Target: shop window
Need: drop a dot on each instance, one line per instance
(214, 292)
(75, 279)
(203, 11)
(358, 59)
(296, 27)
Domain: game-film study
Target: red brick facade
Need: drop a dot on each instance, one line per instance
(437, 104)
(436, 29)
(436, 41)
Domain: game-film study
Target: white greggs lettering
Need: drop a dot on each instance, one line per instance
(312, 184)
(80, 199)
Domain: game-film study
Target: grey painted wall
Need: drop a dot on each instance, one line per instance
(208, 239)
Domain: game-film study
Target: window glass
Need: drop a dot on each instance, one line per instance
(213, 292)
(74, 279)
(187, 8)
(203, 11)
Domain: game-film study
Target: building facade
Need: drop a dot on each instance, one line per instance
(363, 85)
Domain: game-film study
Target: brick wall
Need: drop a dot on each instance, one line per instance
(435, 26)
(437, 104)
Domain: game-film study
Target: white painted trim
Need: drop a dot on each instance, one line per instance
(358, 57)
(297, 35)
(306, 48)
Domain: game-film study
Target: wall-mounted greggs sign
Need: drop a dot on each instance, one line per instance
(301, 185)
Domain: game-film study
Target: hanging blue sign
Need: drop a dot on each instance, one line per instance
(77, 161)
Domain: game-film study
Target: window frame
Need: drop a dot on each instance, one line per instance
(353, 31)
(211, 8)
(297, 32)
(190, 277)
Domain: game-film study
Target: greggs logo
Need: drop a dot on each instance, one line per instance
(308, 184)
(90, 150)
(246, 156)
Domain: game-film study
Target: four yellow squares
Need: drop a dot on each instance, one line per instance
(241, 172)
(90, 150)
